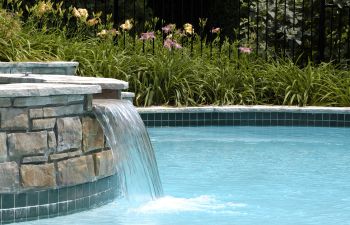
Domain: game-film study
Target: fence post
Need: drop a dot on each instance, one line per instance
(115, 13)
(321, 30)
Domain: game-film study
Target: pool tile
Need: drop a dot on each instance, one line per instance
(319, 116)
(43, 197)
(43, 212)
(8, 215)
(244, 116)
(53, 210)
(281, 115)
(21, 200)
(8, 201)
(33, 212)
(274, 116)
(71, 193)
(178, 116)
(157, 116)
(266, 116)
(62, 208)
(21, 214)
(71, 206)
(185, 116)
(171, 116)
(53, 195)
(62, 194)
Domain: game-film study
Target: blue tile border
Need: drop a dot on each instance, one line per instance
(303, 118)
(50, 203)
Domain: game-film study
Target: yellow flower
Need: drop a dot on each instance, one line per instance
(108, 33)
(127, 25)
(92, 22)
(188, 28)
(76, 13)
(102, 33)
(43, 8)
(83, 13)
(80, 13)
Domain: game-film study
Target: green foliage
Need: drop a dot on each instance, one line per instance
(217, 75)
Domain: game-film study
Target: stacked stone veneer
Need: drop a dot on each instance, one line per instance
(50, 142)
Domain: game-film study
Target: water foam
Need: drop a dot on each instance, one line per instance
(170, 204)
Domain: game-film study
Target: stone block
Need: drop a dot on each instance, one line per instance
(34, 159)
(75, 98)
(3, 147)
(63, 110)
(69, 133)
(76, 171)
(104, 163)
(38, 176)
(14, 119)
(9, 174)
(65, 155)
(41, 124)
(40, 100)
(88, 102)
(30, 143)
(93, 137)
(5, 102)
(36, 113)
(51, 141)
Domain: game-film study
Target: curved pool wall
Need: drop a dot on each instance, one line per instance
(53, 154)
(246, 116)
(61, 68)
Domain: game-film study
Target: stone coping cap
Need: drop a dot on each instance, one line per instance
(30, 89)
(257, 108)
(105, 83)
(128, 94)
(41, 64)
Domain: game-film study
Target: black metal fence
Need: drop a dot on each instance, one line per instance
(317, 30)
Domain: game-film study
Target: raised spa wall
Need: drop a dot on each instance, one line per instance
(53, 154)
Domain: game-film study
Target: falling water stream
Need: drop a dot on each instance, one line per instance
(133, 153)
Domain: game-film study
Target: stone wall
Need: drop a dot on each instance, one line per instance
(49, 142)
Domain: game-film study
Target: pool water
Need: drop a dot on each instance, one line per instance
(240, 176)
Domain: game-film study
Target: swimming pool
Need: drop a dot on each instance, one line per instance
(240, 175)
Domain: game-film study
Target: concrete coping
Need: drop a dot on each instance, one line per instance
(30, 89)
(257, 108)
(105, 83)
(128, 94)
(39, 64)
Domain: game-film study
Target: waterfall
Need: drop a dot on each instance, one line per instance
(133, 153)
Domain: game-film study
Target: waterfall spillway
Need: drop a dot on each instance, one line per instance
(127, 136)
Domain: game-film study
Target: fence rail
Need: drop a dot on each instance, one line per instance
(302, 30)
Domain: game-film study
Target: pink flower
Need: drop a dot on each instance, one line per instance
(245, 50)
(147, 36)
(170, 44)
(215, 30)
(168, 28)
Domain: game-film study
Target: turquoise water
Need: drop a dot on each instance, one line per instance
(240, 176)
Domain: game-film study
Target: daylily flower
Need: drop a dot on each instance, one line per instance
(104, 33)
(188, 28)
(245, 50)
(80, 13)
(43, 8)
(215, 30)
(147, 36)
(127, 25)
(92, 22)
(168, 28)
(170, 44)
